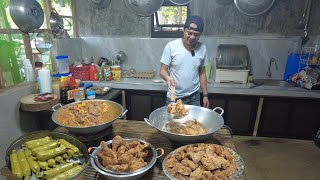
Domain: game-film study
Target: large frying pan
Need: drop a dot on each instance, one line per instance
(210, 118)
(26, 14)
(253, 7)
(143, 8)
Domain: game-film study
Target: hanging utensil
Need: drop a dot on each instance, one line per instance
(100, 4)
(302, 22)
(224, 2)
(180, 2)
(253, 7)
(26, 14)
(43, 42)
(58, 26)
(121, 57)
(306, 38)
(56, 22)
(144, 8)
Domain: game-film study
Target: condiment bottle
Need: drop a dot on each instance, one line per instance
(106, 72)
(93, 73)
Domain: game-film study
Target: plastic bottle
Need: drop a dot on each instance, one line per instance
(106, 72)
(93, 73)
(29, 72)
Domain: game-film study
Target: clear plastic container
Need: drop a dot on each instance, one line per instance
(62, 64)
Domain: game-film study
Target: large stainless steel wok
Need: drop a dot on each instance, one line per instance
(88, 129)
(210, 118)
(17, 145)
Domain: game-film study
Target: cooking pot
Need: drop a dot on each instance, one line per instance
(209, 118)
(87, 129)
(151, 159)
(17, 144)
(26, 14)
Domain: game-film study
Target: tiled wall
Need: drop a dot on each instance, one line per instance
(144, 53)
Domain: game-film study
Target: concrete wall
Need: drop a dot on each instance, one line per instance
(220, 20)
(116, 20)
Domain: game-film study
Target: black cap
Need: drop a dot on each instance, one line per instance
(196, 20)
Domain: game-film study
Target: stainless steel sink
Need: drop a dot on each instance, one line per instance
(271, 82)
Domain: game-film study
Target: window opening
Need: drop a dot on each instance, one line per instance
(168, 21)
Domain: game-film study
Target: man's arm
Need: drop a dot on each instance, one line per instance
(165, 75)
(203, 85)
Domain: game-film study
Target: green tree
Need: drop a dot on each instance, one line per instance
(174, 13)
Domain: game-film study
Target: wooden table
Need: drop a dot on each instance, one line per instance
(139, 129)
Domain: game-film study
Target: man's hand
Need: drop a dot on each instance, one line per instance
(206, 102)
(171, 82)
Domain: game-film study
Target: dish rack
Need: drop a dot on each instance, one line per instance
(132, 73)
(308, 54)
(309, 63)
(232, 64)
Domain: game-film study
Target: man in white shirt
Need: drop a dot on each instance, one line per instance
(183, 65)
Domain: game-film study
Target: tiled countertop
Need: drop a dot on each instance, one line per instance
(213, 87)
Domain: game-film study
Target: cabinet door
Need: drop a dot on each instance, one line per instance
(304, 121)
(274, 117)
(158, 101)
(239, 111)
(138, 105)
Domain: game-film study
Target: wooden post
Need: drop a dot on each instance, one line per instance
(74, 18)
(123, 95)
(256, 125)
(27, 47)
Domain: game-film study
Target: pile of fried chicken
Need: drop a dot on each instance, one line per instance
(177, 109)
(190, 127)
(202, 161)
(123, 156)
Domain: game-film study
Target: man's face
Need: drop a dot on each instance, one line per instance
(191, 36)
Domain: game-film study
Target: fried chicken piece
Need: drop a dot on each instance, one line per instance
(196, 156)
(117, 141)
(119, 168)
(171, 161)
(182, 169)
(124, 158)
(132, 144)
(196, 174)
(106, 160)
(105, 150)
(231, 170)
(177, 108)
(136, 164)
(121, 150)
(218, 174)
(180, 155)
(207, 175)
(190, 164)
(209, 163)
(213, 162)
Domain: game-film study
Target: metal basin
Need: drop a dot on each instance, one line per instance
(272, 82)
(153, 155)
(209, 118)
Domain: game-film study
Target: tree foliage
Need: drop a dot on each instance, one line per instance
(174, 13)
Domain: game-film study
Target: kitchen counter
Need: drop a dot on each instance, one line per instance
(214, 87)
(132, 129)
